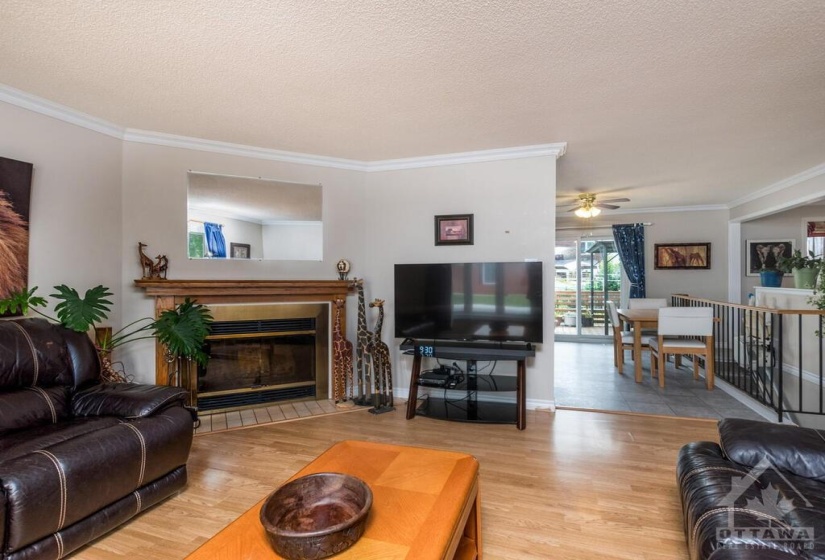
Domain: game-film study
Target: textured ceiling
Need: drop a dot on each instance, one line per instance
(667, 102)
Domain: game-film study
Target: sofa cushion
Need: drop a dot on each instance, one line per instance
(33, 353)
(22, 442)
(33, 406)
(790, 449)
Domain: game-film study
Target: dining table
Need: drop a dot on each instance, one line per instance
(639, 319)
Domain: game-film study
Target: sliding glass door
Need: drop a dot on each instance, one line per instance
(588, 273)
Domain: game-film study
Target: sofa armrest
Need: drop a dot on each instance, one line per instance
(791, 449)
(126, 400)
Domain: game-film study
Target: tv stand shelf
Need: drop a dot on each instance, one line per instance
(469, 408)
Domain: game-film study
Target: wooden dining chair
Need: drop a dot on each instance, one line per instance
(622, 340)
(675, 324)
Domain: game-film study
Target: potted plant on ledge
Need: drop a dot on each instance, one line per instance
(770, 276)
(804, 268)
(181, 330)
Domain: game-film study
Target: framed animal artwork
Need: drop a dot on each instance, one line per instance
(15, 193)
(764, 254)
(681, 256)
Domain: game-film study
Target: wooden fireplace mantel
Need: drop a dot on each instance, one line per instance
(169, 293)
(284, 290)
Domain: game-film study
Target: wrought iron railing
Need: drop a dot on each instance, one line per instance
(775, 356)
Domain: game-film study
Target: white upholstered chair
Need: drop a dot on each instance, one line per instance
(646, 303)
(622, 341)
(676, 323)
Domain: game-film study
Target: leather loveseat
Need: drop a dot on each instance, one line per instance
(77, 457)
(759, 494)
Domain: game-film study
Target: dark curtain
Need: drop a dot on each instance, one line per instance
(215, 241)
(630, 243)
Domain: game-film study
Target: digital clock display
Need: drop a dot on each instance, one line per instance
(426, 351)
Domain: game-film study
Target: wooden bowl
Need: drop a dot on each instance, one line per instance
(317, 515)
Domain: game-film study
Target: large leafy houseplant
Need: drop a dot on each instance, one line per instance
(804, 268)
(181, 330)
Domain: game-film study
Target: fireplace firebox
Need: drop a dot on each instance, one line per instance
(263, 353)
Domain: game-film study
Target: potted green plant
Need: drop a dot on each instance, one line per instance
(804, 268)
(181, 330)
(770, 276)
(587, 318)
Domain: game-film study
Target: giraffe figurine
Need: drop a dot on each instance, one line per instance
(381, 360)
(362, 345)
(341, 359)
(147, 264)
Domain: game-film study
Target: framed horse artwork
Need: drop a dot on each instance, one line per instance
(681, 256)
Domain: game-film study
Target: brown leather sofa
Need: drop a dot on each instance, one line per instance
(77, 457)
(759, 494)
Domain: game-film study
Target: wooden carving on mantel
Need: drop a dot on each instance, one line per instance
(152, 269)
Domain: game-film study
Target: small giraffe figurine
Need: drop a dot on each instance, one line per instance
(363, 340)
(147, 264)
(381, 357)
(341, 358)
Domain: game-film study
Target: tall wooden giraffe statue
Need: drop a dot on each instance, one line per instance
(341, 358)
(381, 361)
(362, 346)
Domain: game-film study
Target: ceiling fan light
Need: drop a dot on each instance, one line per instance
(587, 211)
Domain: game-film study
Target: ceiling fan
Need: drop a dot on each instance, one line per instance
(586, 205)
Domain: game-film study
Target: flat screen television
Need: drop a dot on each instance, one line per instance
(496, 301)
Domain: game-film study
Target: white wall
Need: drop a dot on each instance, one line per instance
(676, 227)
(154, 203)
(75, 233)
(95, 197)
(299, 241)
(513, 203)
(784, 225)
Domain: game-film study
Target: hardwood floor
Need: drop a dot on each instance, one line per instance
(573, 485)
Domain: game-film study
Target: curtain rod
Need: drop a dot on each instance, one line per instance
(601, 226)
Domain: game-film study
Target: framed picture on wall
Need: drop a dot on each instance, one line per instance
(15, 196)
(681, 256)
(239, 250)
(454, 229)
(765, 253)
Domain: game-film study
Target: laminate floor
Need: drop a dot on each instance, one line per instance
(585, 377)
(574, 485)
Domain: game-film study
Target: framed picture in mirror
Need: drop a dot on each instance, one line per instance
(239, 250)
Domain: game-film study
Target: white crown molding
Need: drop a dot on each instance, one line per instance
(61, 112)
(699, 208)
(227, 148)
(555, 150)
(779, 185)
(67, 114)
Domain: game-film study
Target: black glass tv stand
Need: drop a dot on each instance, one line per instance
(469, 408)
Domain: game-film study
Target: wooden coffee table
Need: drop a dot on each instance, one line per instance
(425, 506)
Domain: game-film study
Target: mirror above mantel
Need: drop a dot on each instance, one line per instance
(259, 219)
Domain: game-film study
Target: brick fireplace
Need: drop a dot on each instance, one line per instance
(269, 343)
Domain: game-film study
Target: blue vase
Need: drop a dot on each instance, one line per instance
(771, 278)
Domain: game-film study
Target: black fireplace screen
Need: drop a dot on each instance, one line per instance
(252, 362)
